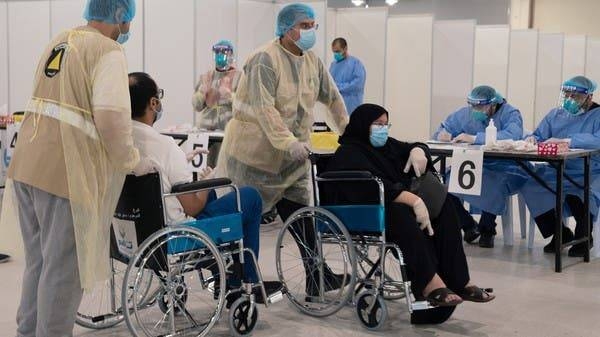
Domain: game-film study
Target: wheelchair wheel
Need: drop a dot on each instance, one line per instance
(186, 305)
(316, 262)
(393, 288)
(371, 310)
(241, 320)
(101, 308)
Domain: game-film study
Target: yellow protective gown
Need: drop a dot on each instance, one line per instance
(75, 141)
(273, 108)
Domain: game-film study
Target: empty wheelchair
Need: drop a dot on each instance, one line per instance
(347, 239)
(174, 282)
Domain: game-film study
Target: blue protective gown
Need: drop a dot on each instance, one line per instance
(349, 75)
(584, 132)
(501, 178)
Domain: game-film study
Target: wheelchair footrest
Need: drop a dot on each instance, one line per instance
(275, 297)
(421, 305)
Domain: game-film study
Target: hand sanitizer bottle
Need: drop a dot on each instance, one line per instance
(490, 133)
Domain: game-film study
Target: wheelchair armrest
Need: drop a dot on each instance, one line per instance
(347, 175)
(201, 185)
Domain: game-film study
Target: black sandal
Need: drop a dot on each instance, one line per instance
(438, 298)
(476, 294)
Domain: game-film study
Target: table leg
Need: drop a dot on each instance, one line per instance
(560, 167)
(586, 206)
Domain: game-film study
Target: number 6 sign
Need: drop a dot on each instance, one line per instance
(465, 177)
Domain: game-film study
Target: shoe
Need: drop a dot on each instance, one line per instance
(332, 282)
(4, 258)
(567, 236)
(578, 250)
(486, 240)
(471, 235)
(271, 287)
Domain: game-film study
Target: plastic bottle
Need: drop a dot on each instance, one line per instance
(490, 133)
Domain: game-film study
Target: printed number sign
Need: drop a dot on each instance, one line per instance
(466, 174)
(12, 130)
(197, 141)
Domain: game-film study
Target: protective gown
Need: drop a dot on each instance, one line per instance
(349, 75)
(273, 108)
(215, 115)
(500, 178)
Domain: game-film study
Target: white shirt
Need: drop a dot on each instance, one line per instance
(160, 153)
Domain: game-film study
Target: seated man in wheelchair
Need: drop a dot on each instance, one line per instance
(161, 153)
(432, 245)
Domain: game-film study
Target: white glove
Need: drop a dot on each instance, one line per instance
(190, 156)
(417, 160)
(464, 138)
(531, 140)
(422, 216)
(299, 151)
(444, 136)
(207, 173)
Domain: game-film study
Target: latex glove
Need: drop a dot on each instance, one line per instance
(531, 140)
(422, 216)
(207, 173)
(464, 138)
(444, 136)
(190, 156)
(212, 97)
(417, 160)
(559, 140)
(299, 151)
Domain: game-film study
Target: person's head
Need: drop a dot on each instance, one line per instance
(368, 124)
(111, 17)
(223, 55)
(146, 106)
(577, 95)
(296, 27)
(484, 101)
(339, 47)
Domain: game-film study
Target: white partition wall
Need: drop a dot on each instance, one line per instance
(3, 58)
(549, 73)
(452, 68)
(408, 82)
(522, 72)
(65, 14)
(169, 60)
(134, 48)
(574, 50)
(592, 66)
(365, 31)
(256, 26)
(490, 65)
(215, 20)
(331, 34)
(28, 35)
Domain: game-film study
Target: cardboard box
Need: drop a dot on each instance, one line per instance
(552, 149)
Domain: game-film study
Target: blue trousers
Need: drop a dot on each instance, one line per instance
(251, 205)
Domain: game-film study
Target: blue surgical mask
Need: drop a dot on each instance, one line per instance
(123, 37)
(479, 115)
(221, 62)
(338, 57)
(572, 106)
(379, 135)
(308, 38)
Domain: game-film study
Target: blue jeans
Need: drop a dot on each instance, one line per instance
(251, 204)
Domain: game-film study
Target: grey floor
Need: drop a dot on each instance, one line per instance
(532, 300)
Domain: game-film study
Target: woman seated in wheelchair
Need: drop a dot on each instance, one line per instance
(431, 243)
(162, 154)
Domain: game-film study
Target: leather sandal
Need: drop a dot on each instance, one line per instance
(438, 298)
(476, 294)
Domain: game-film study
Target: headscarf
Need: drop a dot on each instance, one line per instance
(361, 119)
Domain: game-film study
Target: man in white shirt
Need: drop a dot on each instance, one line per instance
(162, 154)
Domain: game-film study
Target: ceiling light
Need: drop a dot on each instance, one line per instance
(358, 2)
(391, 2)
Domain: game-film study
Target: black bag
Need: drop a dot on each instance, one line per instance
(429, 188)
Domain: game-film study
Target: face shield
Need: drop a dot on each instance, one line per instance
(574, 99)
(481, 109)
(223, 56)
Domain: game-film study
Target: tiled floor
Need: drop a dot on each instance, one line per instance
(532, 300)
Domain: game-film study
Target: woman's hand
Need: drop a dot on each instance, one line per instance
(422, 215)
(417, 160)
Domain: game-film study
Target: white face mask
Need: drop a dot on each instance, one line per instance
(158, 113)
